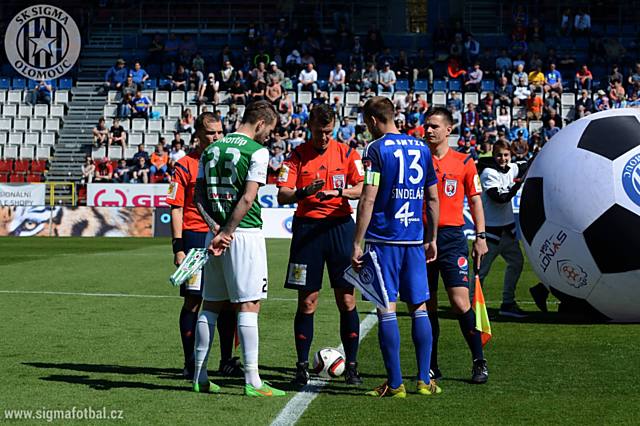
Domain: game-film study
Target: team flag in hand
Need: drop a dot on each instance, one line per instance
(369, 280)
(482, 317)
(190, 266)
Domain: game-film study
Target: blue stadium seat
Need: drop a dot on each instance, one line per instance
(65, 83)
(421, 86)
(151, 84)
(31, 84)
(455, 85)
(323, 84)
(163, 83)
(488, 85)
(402, 85)
(439, 86)
(18, 84)
(5, 83)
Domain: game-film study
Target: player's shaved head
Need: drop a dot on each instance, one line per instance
(380, 108)
(259, 111)
(444, 113)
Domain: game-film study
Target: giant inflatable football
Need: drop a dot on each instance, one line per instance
(580, 214)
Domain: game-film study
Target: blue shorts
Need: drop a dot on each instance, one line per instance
(191, 240)
(452, 264)
(314, 242)
(404, 271)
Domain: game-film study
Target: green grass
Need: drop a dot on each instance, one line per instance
(60, 351)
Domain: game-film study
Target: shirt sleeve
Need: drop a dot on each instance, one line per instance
(372, 164)
(431, 177)
(472, 184)
(355, 169)
(175, 194)
(289, 171)
(258, 166)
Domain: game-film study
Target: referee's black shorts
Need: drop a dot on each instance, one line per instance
(314, 242)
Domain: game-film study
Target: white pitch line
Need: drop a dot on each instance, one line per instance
(144, 296)
(294, 409)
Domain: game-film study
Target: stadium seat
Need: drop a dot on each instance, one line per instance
(14, 178)
(174, 111)
(10, 110)
(113, 97)
(57, 111)
(351, 110)
(21, 166)
(152, 139)
(41, 110)
(31, 138)
(402, 85)
(178, 97)
(65, 83)
(4, 177)
(139, 125)
(518, 112)
(10, 151)
(162, 97)
(155, 126)
(135, 139)
(534, 126)
(36, 124)
(43, 152)
(387, 95)
(352, 98)
(568, 99)
(241, 110)
(439, 86)
(5, 83)
(224, 109)
(487, 85)
(150, 148)
(421, 86)
(47, 139)
(455, 85)
(20, 124)
(149, 94)
(18, 83)
(108, 111)
(52, 124)
(14, 96)
(3, 97)
(452, 140)
(169, 125)
(31, 84)
(304, 98)
(61, 97)
(25, 111)
(115, 152)
(98, 153)
(5, 124)
(34, 177)
(192, 97)
(38, 166)
(6, 166)
(130, 151)
(164, 83)
(223, 97)
(3, 138)
(151, 84)
(339, 95)
(471, 97)
(27, 152)
(439, 98)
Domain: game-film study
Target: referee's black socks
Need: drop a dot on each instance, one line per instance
(226, 324)
(467, 323)
(303, 333)
(350, 333)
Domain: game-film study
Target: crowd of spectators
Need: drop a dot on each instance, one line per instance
(522, 105)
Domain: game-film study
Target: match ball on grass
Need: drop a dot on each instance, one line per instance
(328, 363)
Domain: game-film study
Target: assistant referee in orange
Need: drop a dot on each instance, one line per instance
(322, 175)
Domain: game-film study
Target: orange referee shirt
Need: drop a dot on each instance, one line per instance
(338, 165)
(181, 192)
(457, 177)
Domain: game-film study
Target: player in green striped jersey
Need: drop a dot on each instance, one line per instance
(229, 175)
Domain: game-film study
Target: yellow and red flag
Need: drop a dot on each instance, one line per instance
(482, 317)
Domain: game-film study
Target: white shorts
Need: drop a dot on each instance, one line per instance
(240, 274)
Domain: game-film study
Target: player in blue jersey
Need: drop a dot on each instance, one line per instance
(399, 176)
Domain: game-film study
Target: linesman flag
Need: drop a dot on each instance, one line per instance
(482, 317)
(369, 280)
(191, 265)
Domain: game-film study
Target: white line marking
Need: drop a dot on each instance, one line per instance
(294, 409)
(148, 296)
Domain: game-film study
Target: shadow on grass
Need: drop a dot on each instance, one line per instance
(104, 384)
(532, 317)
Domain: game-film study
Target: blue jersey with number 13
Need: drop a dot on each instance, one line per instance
(401, 167)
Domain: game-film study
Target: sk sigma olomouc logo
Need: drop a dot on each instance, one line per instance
(42, 42)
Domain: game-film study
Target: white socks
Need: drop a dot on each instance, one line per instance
(204, 337)
(248, 331)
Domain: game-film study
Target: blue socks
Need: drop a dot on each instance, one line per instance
(421, 334)
(350, 333)
(389, 338)
(467, 323)
(303, 333)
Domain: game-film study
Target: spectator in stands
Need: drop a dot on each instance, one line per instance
(231, 121)
(503, 63)
(258, 90)
(454, 70)
(141, 106)
(387, 79)
(346, 132)
(115, 76)
(88, 170)
(534, 106)
(228, 75)
(456, 114)
(414, 128)
(520, 129)
(549, 130)
(474, 78)
(307, 58)
(354, 78)
(139, 75)
(176, 153)
(156, 51)
(276, 160)
(553, 79)
(521, 93)
(471, 118)
(503, 92)
(198, 62)
(617, 95)
(455, 100)
(122, 172)
(370, 77)
(293, 63)
(129, 87)
(41, 94)
(284, 115)
(100, 133)
(518, 75)
(467, 144)
(520, 150)
(238, 93)
(196, 80)
(503, 118)
(615, 74)
(420, 67)
(273, 92)
(356, 55)
(551, 114)
(536, 79)
(117, 135)
(125, 106)
(584, 104)
(177, 138)
(159, 161)
(582, 23)
(140, 170)
(186, 122)
(456, 49)
(487, 107)
(104, 171)
(307, 80)
(471, 49)
(274, 72)
(634, 78)
(402, 66)
(141, 153)
(337, 78)
(584, 78)
(552, 100)
(179, 80)
(208, 92)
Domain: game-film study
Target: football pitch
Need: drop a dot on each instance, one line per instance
(94, 323)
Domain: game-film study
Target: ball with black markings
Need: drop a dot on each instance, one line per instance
(328, 363)
(580, 214)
